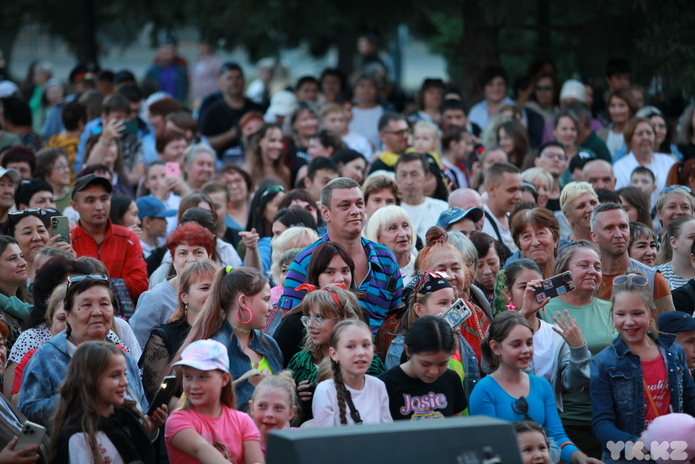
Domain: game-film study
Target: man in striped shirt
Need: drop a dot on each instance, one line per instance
(377, 280)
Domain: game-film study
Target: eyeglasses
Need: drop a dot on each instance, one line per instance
(634, 279)
(273, 190)
(520, 407)
(671, 188)
(79, 278)
(399, 133)
(316, 322)
(544, 88)
(556, 156)
(61, 167)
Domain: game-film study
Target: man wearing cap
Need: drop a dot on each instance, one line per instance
(219, 122)
(8, 181)
(412, 173)
(94, 235)
(34, 193)
(467, 198)
(457, 219)
(152, 214)
(682, 325)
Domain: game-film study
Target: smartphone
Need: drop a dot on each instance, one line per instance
(130, 127)
(32, 434)
(556, 285)
(163, 395)
(61, 225)
(172, 169)
(457, 313)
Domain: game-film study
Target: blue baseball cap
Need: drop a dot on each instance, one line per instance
(153, 207)
(454, 215)
(675, 321)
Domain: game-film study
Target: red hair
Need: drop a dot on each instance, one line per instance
(191, 234)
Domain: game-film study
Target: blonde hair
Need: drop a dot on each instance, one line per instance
(57, 298)
(283, 381)
(191, 272)
(433, 131)
(294, 237)
(385, 216)
(534, 173)
(349, 308)
(571, 192)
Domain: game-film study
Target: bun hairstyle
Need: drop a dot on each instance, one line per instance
(430, 334)
(435, 239)
(340, 387)
(499, 329)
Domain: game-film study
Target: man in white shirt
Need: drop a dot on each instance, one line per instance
(504, 184)
(411, 175)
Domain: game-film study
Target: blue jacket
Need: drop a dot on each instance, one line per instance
(617, 394)
(40, 391)
(239, 362)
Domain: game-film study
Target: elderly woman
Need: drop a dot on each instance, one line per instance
(198, 165)
(536, 233)
(673, 201)
(491, 256)
(391, 226)
(639, 138)
(592, 315)
(89, 305)
(577, 201)
(188, 243)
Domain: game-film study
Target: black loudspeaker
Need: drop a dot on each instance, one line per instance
(459, 440)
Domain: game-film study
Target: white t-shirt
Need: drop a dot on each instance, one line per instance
(543, 362)
(372, 402)
(359, 143)
(425, 215)
(81, 453)
(614, 142)
(366, 123)
(660, 165)
(505, 234)
(173, 202)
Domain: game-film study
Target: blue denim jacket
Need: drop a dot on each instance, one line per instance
(239, 362)
(469, 361)
(617, 394)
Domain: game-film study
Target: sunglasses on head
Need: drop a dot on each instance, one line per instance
(671, 188)
(273, 190)
(39, 211)
(635, 279)
(79, 278)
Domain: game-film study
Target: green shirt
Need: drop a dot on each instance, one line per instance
(597, 327)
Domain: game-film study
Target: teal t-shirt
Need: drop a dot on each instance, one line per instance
(597, 327)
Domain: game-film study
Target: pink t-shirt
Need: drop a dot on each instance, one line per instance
(230, 430)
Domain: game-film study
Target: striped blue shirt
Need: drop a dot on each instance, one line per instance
(380, 291)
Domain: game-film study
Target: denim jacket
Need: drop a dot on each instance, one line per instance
(617, 392)
(469, 361)
(38, 397)
(239, 362)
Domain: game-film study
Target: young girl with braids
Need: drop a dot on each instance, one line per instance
(323, 309)
(351, 396)
(95, 422)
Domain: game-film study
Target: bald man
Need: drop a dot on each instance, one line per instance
(466, 198)
(599, 174)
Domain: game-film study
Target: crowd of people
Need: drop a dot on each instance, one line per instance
(327, 254)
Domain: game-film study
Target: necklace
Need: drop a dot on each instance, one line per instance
(240, 330)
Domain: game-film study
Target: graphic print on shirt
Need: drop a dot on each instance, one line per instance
(423, 407)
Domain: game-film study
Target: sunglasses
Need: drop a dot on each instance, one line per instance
(79, 278)
(39, 211)
(671, 188)
(520, 407)
(636, 280)
(273, 190)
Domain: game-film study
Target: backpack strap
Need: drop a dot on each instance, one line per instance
(354, 413)
(493, 223)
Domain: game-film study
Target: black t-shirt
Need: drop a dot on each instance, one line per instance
(684, 297)
(219, 118)
(414, 399)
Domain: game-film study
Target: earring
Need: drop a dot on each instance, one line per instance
(511, 306)
(239, 319)
(185, 309)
